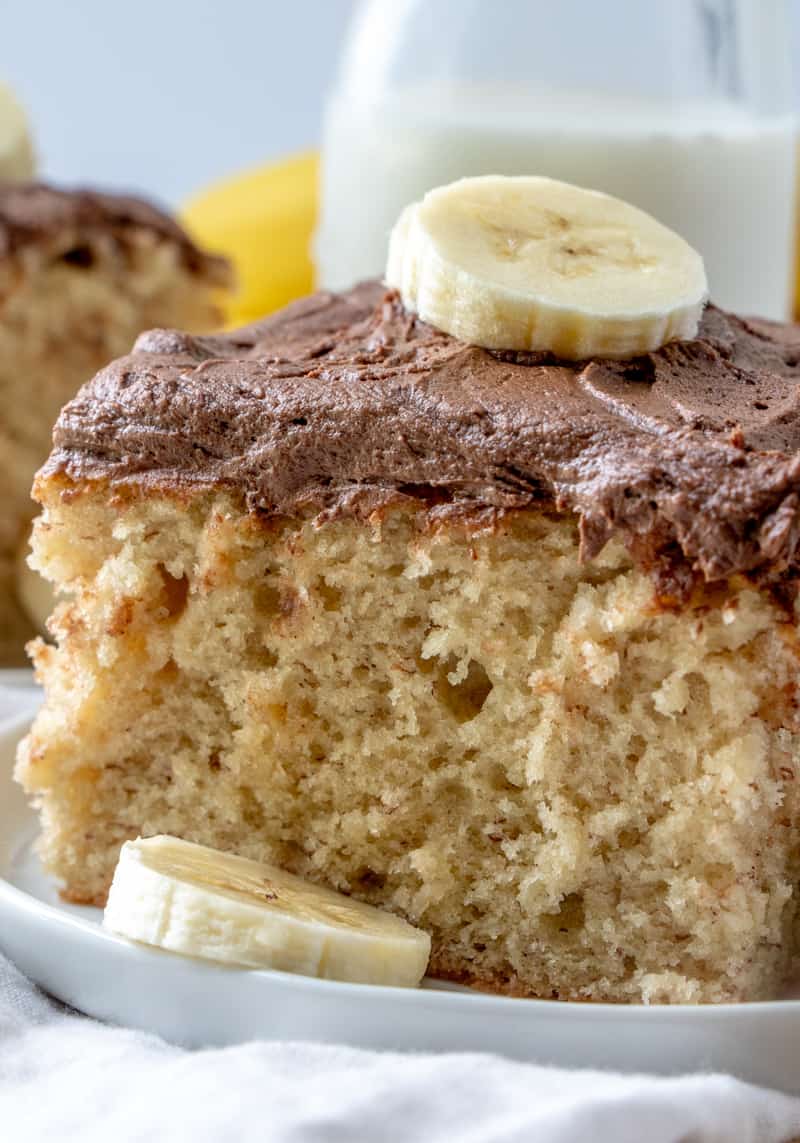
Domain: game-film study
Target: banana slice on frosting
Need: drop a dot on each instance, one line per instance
(203, 903)
(534, 264)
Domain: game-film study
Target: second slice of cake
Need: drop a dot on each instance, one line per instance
(81, 274)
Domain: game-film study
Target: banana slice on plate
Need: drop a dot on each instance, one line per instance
(535, 264)
(203, 903)
(16, 150)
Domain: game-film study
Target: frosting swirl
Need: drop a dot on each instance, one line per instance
(342, 403)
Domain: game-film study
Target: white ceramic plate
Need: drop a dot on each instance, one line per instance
(190, 1002)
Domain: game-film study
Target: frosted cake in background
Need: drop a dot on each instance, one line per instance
(81, 273)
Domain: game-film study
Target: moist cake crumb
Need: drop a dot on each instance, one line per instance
(440, 661)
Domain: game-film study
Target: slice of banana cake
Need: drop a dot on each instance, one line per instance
(501, 641)
(81, 274)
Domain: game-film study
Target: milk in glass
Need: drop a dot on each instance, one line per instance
(698, 130)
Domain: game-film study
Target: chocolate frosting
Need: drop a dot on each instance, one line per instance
(341, 403)
(35, 214)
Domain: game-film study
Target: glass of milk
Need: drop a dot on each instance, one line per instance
(681, 107)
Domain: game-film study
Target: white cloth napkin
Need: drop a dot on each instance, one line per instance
(66, 1078)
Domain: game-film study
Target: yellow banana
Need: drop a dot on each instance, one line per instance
(263, 220)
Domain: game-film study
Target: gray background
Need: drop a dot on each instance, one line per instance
(166, 96)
